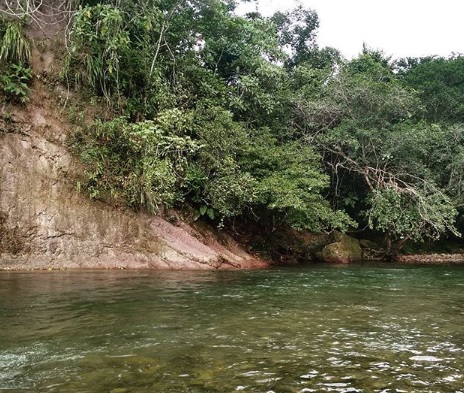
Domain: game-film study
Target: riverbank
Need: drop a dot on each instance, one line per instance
(62, 208)
(47, 223)
(431, 259)
(251, 263)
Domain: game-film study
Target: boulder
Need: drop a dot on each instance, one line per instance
(345, 249)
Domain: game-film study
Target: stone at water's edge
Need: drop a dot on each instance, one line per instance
(345, 249)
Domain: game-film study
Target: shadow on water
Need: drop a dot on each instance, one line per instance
(321, 328)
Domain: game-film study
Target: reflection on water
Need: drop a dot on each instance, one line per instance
(319, 329)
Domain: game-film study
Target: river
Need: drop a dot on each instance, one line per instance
(319, 329)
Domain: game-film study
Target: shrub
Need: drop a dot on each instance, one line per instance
(14, 83)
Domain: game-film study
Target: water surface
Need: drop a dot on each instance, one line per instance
(317, 329)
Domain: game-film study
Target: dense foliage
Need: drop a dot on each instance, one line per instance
(209, 92)
(245, 117)
(15, 54)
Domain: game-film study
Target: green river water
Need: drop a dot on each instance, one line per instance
(317, 329)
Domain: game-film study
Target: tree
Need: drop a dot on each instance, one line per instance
(220, 76)
(39, 11)
(290, 184)
(296, 30)
(440, 83)
(362, 123)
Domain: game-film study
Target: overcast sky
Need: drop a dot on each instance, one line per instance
(398, 27)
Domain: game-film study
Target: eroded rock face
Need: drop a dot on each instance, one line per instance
(345, 249)
(45, 223)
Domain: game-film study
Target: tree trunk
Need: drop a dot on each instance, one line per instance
(393, 248)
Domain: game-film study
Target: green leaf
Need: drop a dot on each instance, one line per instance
(210, 213)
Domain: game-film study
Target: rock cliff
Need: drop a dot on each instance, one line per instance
(45, 223)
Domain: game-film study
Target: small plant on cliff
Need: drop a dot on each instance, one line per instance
(96, 41)
(14, 83)
(14, 47)
(15, 54)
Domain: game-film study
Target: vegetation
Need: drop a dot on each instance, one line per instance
(206, 90)
(245, 118)
(15, 54)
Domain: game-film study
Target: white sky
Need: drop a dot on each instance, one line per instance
(399, 27)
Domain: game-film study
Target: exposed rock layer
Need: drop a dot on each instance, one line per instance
(46, 223)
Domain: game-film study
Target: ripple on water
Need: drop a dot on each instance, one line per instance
(425, 359)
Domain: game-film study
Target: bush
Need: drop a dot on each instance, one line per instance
(140, 165)
(15, 54)
(14, 83)
(14, 46)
